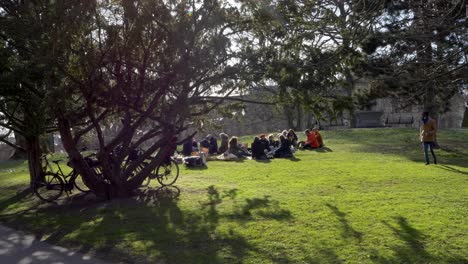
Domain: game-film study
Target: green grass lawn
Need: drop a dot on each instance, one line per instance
(366, 198)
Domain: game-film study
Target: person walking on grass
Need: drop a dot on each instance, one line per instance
(427, 134)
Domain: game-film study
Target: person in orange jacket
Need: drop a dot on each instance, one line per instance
(312, 141)
(427, 135)
(318, 136)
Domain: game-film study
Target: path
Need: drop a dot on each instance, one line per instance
(20, 248)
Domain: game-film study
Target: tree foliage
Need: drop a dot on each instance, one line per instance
(417, 52)
(150, 67)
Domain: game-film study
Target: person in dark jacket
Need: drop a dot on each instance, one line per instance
(284, 150)
(292, 137)
(265, 142)
(187, 147)
(224, 143)
(258, 149)
(194, 145)
(205, 143)
(213, 145)
(235, 149)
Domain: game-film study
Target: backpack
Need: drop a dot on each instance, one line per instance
(194, 161)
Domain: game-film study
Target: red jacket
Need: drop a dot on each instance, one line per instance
(312, 140)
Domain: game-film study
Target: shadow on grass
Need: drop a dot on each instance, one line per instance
(413, 249)
(151, 227)
(204, 167)
(324, 149)
(405, 143)
(452, 169)
(347, 230)
(262, 160)
(14, 199)
(293, 158)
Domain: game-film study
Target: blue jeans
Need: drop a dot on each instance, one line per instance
(426, 155)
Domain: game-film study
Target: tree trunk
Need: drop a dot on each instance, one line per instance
(300, 116)
(95, 183)
(34, 153)
(349, 87)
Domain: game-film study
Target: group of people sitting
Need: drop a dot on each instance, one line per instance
(288, 143)
(262, 148)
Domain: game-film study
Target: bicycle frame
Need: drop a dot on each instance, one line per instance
(68, 179)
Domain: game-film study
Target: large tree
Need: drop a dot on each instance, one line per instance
(151, 66)
(303, 52)
(417, 52)
(25, 77)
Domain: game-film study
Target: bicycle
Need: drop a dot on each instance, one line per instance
(166, 173)
(50, 185)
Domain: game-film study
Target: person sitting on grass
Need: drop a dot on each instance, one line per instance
(213, 145)
(187, 147)
(284, 151)
(235, 149)
(272, 143)
(258, 149)
(195, 145)
(312, 142)
(224, 143)
(292, 137)
(318, 136)
(265, 142)
(205, 143)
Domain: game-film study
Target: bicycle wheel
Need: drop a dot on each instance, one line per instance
(80, 185)
(49, 187)
(167, 173)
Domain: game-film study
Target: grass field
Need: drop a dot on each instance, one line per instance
(365, 198)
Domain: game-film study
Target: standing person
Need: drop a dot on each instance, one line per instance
(427, 134)
(224, 143)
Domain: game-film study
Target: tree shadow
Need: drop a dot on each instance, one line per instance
(405, 143)
(16, 198)
(152, 227)
(347, 230)
(413, 249)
